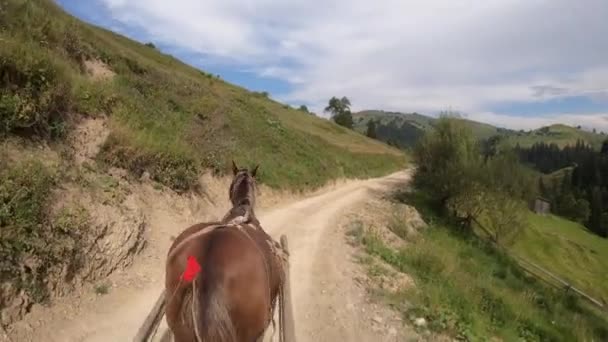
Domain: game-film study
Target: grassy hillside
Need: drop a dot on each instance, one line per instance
(405, 129)
(568, 250)
(467, 289)
(561, 135)
(166, 117)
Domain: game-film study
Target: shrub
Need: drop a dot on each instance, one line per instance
(35, 89)
(175, 170)
(32, 244)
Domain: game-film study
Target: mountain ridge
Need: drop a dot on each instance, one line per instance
(404, 130)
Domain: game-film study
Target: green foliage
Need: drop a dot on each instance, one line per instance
(371, 129)
(471, 292)
(447, 160)
(32, 244)
(560, 135)
(102, 289)
(340, 111)
(34, 88)
(490, 190)
(303, 108)
(178, 172)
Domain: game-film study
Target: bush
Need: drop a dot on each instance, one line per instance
(35, 89)
(174, 170)
(448, 160)
(32, 244)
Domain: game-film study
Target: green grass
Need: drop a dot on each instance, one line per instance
(467, 289)
(568, 250)
(34, 244)
(406, 129)
(560, 135)
(167, 118)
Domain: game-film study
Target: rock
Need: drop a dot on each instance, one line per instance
(392, 331)
(3, 334)
(145, 176)
(16, 309)
(420, 322)
(116, 237)
(377, 319)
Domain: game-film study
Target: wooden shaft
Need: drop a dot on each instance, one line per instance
(152, 321)
(289, 330)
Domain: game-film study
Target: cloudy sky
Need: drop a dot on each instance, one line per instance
(515, 63)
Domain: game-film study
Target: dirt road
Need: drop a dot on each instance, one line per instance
(327, 305)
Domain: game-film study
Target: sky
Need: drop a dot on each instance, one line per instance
(519, 64)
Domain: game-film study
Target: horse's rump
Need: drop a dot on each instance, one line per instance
(231, 295)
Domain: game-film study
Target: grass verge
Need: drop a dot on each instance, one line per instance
(467, 289)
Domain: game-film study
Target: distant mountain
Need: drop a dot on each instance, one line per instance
(558, 134)
(405, 129)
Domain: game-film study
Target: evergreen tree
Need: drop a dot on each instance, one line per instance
(371, 129)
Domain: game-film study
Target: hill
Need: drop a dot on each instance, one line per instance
(568, 250)
(558, 134)
(404, 129)
(166, 117)
(94, 125)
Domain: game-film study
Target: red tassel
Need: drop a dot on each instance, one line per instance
(192, 269)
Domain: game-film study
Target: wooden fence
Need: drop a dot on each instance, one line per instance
(544, 275)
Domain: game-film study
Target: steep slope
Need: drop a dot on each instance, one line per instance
(166, 117)
(90, 119)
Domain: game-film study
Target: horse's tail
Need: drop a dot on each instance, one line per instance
(211, 322)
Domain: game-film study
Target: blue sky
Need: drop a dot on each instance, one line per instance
(515, 63)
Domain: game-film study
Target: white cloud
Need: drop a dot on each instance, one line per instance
(397, 54)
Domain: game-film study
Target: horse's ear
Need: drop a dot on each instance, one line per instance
(235, 169)
(255, 170)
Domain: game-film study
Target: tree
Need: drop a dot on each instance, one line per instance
(448, 160)
(371, 129)
(605, 147)
(303, 108)
(505, 217)
(581, 211)
(151, 45)
(340, 110)
(541, 187)
(595, 219)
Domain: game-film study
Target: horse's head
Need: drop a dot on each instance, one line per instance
(243, 186)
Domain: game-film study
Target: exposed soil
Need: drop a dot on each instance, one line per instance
(329, 305)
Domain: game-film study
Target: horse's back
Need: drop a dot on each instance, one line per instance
(234, 268)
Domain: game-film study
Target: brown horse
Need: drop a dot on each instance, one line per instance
(232, 297)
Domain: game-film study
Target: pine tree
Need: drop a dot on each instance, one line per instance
(371, 129)
(595, 219)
